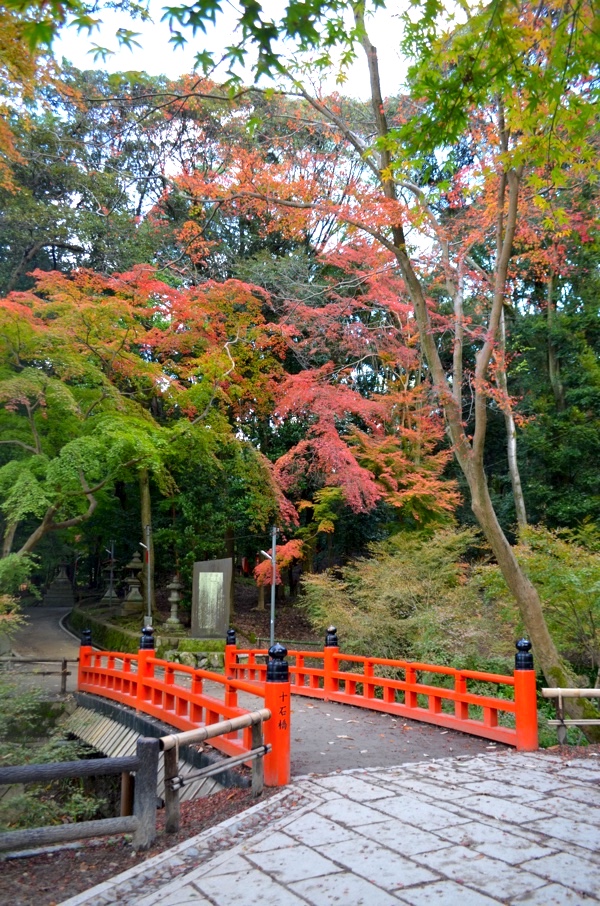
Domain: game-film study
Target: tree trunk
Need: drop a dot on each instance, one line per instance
(528, 600)
(553, 364)
(511, 428)
(230, 552)
(146, 517)
(9, 537)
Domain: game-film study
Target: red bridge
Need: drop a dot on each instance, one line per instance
(494, 706)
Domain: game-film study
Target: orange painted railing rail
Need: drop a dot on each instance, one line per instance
(398, 687)
(175, 694)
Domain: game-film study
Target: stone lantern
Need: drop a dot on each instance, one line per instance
(133, 600)
(173, 625)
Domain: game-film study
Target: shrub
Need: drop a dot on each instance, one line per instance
(26, 720)
(565, 568)
(411, 599)
(105, 635)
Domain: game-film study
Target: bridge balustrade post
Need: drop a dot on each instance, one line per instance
(144, 668)
(525, 698)
(85, 655)
(277, 730)
(330, 661)
(230, 654)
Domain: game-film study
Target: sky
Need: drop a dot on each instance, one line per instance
(157, 56)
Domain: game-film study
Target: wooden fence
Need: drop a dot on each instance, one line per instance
(561, 723)
(142, 823)
(37, 667)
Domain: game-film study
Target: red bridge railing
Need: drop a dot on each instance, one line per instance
(176, 694)
(406, 688)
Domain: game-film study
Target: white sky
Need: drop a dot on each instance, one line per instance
(158, 57)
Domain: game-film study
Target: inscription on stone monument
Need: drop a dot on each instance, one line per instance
(211, 598)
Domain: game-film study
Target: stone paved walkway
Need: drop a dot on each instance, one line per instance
(501, 828)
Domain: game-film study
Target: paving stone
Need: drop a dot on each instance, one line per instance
(342, 890)
(247, 888)
(509, 789)
(402, 839)
(503, 809)
(491, 876)
(419, 813)
(347, 812)
(317, 830)
(569, 870)
(496, 842)
(542, 781)
(353, 787)
(480, 764)
(377, 864)
(448, 770)
(181, 896)
(554, 895)
(582, 792)
(527, 759)
(231, 863)
(590, 773)
(219, 863)
(441, 791)
(267, 841)
(578, 832)
(293, 863)
(575, 811)
(446, 893)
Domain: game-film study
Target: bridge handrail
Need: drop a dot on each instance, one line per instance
(149, 684)
(334, 677)
(561, 723)
(169, 746)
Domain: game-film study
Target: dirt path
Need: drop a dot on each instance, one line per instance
(43, 637)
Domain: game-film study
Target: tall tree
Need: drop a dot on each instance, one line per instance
(549, 94)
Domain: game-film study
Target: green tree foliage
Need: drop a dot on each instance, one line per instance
(565, 567)
(411, 599)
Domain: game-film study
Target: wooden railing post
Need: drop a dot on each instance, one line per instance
(172, 809)
(258, 767)
(525, 698)
(145, 793)
(278, 728)
(85, 654)
(144, 669)
(330, 662)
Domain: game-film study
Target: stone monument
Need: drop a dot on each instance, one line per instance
(211, 598)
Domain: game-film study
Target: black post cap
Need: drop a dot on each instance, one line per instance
(147, 639)
(231, 640)
(86, 637)
(331, 639)
(523, 657)
(277, 667)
